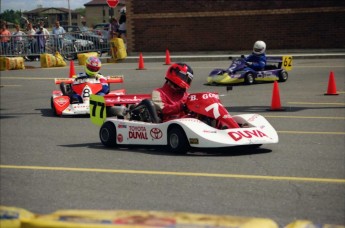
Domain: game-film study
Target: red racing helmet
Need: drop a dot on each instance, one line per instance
(180, 74)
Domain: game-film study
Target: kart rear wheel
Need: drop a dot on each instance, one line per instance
(107, 134)
(283, 76)
(249, 79)
(177, 141)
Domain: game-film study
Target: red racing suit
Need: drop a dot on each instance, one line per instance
(170, 101)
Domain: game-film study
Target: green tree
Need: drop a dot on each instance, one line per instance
(81, 11)
(11, 16)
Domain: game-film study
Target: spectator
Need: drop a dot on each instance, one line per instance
(113, 29)
(84, 26)
(122, 26)
(17, 38)
(30, 32)
(5, 37)
(45, 31)
(58, 33)
(18, 35)
(41, 40)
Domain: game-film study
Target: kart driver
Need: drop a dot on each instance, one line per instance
(92, 67)
(257, 60)
(172, 96)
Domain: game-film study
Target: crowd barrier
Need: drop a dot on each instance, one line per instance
(68, 45)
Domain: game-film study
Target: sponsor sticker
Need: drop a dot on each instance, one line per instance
(137, 132)
(193, 140)
(120, 138)
(156, 133)
(238, 135)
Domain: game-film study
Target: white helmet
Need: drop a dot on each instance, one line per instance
(259, 47)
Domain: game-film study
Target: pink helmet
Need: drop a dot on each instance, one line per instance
(92, 66)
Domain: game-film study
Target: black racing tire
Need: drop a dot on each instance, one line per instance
(52, 105)
(249, 79)
(107, 134)
(69, 52)
(177, 141)
(283, 76)
(63, 88)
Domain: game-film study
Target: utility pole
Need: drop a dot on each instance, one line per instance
(69, 14)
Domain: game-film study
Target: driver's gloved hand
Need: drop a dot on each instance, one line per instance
(185, 108)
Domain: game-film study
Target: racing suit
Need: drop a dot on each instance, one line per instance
(170, 101)
(76, 98)
(258, 62)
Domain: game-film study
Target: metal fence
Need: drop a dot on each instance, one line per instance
(68, 44)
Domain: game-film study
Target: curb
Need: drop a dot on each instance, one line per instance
(190, 58)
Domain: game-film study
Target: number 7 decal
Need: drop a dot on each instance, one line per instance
(215, 107)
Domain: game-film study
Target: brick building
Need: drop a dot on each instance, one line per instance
(229, 25)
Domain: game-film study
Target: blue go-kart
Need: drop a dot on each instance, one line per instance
(275, 70)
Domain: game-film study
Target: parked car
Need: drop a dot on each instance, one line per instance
(102, 26)
(80, 44)
(79, 32)
(101, 30)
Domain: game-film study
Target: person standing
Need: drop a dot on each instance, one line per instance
(44, 30)
(58, 33)
(113, 29)
(5, 36)
(84, 26)
(17, 39)
(122, 26)
(30, 32)
(41, 40)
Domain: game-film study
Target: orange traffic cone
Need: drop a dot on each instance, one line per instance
(71, 69)
(332, 88)
(167, 57)
(141, 62)
(275, 105)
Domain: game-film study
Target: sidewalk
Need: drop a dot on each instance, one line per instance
(224, 56)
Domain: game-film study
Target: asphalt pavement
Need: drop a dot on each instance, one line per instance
(50, 163)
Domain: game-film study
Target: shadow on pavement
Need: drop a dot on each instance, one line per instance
(161, 150)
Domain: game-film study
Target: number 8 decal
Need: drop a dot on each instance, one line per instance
(86, 92)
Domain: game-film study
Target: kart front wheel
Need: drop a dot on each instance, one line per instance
(177, 141)
(249, 79)
(283, 76)
(107, 134)
(53, 106)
